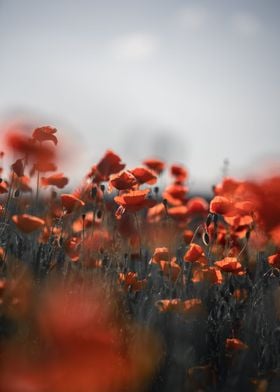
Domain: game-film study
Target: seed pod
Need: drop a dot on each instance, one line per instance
(93, 192)
(156, 189)
(17, 193)
(99, 214)
(102, 187)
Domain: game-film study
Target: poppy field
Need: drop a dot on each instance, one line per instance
(131, 283)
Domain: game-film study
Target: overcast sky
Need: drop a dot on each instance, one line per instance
(189, 81)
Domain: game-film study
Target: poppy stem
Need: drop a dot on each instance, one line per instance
(139, 234)
(37, 187)
(7, 203)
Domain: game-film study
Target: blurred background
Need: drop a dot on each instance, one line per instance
(195, 82)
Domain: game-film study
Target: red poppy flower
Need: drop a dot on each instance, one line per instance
(188, 235)
(109, 164)
(131, 281)
(28, 223)
(3, 187)
(190, 306)
(175, 194)
(70, 202)
(45, 133)
(179, 172)
(144, 176)
(43, 166)
(156, 213)
(135, 200)
(235, 344)
(229, 264)
(221, 205)
(179, 213)
(21, 143)
(160, 254)
(274, 260)
(210, 274)
(57, 180)
(155, 164)
(193, 253)
(197, 205)
(123, 181)
(170, 269)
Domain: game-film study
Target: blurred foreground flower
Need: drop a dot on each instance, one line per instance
(79, 341)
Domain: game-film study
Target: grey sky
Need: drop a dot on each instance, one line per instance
(192, 81)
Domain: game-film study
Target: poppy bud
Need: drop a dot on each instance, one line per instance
(17, 193)
(93, 192)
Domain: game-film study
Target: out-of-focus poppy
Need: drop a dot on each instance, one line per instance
(190, 306)
(135, 200)
(227, 187)
(58, 180)
(187, 236)
(221, 205)
(179, 213)
(44, 166)
(211, 274)
(160, 254)
(240, 294)
(275, 235)
(84, 222)
(70, 202)
(26, 146)
(72, 248)
(109, 164)
(235, 344)
(23, 184)
(229, 264)
(80, 322)
(156, 213)
(3, 187)
(144, 175)
(193, 253)
(28, 223)
(197, 205)
(154, 164)
(179, 172)
(171, 269)
(45, 133)
(123, 180)
(175, 194)
(130, 281)
(274, 260)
